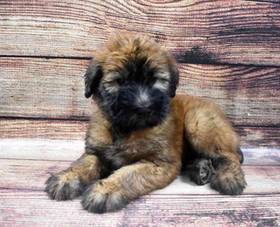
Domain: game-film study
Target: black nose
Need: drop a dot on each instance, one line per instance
(144, 104)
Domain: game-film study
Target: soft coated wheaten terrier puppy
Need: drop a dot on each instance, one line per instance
(142, 133)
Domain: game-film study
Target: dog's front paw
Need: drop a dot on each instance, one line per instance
(229, 182)
(62, 187)
(101, 198)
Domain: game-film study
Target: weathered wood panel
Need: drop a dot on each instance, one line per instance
(45, 129)
(69, 150)
(75, 130)
(259, 136)
(35, 209)
(228, 31)
(43, 149)
(248, 95)
(53, 88)
(31, 175)
(42, 88)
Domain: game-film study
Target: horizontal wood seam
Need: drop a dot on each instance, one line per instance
(45, 56)
(257, 126)
(65, 161)
(86, 119)
(178, 57)
(20, 189)
(266, 194)
(38, 118)
(266, 1)
(68, 161)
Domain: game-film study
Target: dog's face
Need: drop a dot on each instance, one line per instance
(132, 80)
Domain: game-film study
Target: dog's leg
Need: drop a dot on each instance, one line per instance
(72, 182)
(118, 155)
(198, 168)
(128, 183)
(212, 136)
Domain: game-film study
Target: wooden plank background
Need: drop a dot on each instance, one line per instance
(25, 165)
(154, 211)
(245, 33)
(35, 172)
(232, 31)
(45, 47)
(228, 51)
(251, 136)
(53, 88)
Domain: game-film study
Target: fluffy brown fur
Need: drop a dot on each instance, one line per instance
(122, 162)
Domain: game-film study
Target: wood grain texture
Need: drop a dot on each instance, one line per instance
(45, 129)
(69, 150)
(27, 209)
(44, 51)
(228, 31)
(259, 136)
(43, 88)
(19, 174)
(248, 95)
(53, 88)
(75, 130)
(41, 149)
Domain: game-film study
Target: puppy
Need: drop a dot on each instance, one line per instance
(136, 140)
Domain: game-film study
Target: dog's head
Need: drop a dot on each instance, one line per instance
(132, 80)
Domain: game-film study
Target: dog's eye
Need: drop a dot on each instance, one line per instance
(151, 80)
(119, 81)
(162, 77)
(162, 80)
(161, 84)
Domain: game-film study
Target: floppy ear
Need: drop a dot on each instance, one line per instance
(92, 78)
(174, 78)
